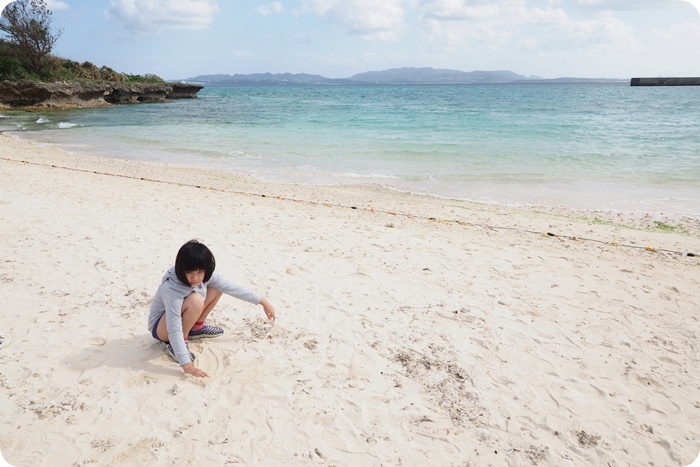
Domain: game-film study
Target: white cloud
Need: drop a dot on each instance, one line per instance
(492, 36)
(550, 27)
(621, 5)
(687, 33)
(147, 16)
(529, 43)
(56, 5)
(440, 35)
(51, 4)
(555, 29)
(271, 9)
(458, 10)
(546, 16)
(605, 31)
(370, 19)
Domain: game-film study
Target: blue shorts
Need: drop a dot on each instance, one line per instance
(154, 332)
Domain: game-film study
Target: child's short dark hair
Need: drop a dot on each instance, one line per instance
(194, 256)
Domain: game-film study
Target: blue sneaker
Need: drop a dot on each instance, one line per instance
(206, 331)
(171, 353)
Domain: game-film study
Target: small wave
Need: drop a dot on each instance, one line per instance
(307, 168)
(43, 120)
(371, 175)
(67, 125)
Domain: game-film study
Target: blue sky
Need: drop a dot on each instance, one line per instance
(338, 38)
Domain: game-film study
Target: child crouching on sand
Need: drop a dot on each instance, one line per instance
(187, 294)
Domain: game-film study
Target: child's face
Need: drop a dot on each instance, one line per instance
(195, 277)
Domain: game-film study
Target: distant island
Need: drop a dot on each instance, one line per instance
(393, 76)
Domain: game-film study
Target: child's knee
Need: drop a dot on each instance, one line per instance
(194, 301)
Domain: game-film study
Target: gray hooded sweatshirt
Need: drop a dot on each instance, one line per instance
(168, 300)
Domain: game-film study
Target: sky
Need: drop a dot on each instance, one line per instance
(180, 39)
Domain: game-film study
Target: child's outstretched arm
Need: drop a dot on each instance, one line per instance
(267, 308)
(224, 285)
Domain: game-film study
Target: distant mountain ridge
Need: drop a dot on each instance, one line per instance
(262, 79)
(404, 75)
(436, 76)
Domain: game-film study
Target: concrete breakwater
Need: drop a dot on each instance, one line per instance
(682, 81)
(27, 94)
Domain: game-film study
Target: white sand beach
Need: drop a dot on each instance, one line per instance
(410, 330)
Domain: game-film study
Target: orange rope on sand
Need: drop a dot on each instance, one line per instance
(370, 209)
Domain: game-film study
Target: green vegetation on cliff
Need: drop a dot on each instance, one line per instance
(14, 68)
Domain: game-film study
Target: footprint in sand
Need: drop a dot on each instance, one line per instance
(97, 341)
(140, 380)
(361, 366)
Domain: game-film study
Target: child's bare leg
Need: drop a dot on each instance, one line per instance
(192, 307)
(199, 329)
(210, 302)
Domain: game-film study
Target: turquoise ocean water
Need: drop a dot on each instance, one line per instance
(587, 146)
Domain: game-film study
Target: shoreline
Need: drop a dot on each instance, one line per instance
(410, 330)
(658, 222)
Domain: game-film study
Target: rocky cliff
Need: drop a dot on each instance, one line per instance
(32, 94)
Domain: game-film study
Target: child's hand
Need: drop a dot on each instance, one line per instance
(267, 308)
(190, 369)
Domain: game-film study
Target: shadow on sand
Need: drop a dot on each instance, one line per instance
(136, 353)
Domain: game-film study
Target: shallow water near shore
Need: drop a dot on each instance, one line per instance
(582, 146)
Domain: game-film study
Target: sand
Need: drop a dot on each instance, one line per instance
(410, 330)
